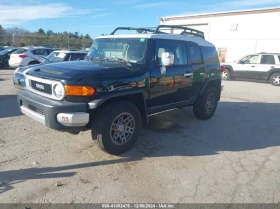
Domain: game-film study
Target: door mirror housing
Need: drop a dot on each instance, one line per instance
(242, 62)
(167, 59)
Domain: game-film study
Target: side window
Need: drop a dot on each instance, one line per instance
(42, 52)
(177, 48)
(74, 57)
(279, 58)
(194, 53)
(268, 60)
(251, 59)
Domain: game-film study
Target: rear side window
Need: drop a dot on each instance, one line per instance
(268, 59)
(19, 51)
(194, 53)
(210, 55)
(74, 57)
(42, 52)
(279, 58)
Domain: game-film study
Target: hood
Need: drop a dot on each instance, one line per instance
(24, 69)
(81, 69)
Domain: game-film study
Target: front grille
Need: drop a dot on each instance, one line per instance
(33, 108)
(42, 87)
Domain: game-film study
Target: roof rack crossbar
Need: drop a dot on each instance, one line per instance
(187, 31)
(145, 30)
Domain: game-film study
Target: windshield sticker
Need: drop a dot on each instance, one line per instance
(61, 55)
(142, 40)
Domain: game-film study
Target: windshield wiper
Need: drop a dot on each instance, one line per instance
(97, 58)
(121, 60)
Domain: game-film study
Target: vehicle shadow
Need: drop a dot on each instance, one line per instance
(8, 106)
(236, 127)
(249, 80)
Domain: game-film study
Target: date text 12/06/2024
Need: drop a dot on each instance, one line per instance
(127, 205)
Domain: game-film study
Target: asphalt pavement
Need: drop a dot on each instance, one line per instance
(231, 158)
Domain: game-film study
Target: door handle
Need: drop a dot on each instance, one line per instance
(188, 74)
(272, 67)
(253, 66)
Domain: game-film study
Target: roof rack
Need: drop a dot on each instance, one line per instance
(187, 31)
(156, 30)
(142, 30)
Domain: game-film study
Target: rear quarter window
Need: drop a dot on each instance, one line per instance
(210, 55)
(279, 58)
(194, 53)
(19, 51)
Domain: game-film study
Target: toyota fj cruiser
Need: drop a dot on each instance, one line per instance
(124, 80)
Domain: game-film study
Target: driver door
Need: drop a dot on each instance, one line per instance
(247, 67)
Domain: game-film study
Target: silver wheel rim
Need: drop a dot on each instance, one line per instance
(224, 74)
(276, 79)
(210, 103)
(122, 128)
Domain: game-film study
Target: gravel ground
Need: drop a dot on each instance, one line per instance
(231, 158)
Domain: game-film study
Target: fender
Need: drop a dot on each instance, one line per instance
(214, 81)
(272, 71)
(139, 100)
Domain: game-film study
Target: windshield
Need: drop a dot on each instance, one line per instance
(4, 52)
(129, 49)
(54, 57)
(19, 51)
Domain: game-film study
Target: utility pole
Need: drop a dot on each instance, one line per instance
(13, 39)
(68, 42)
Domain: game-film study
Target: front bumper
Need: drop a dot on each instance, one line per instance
(59, 115)
(13, 64)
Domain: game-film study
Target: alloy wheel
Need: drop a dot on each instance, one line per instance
(276, 79)
(210, 103)
(122, 128)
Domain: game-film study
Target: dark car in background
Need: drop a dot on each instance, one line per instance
(54, 57)
(5, 56)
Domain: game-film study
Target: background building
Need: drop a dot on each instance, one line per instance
(236, 33)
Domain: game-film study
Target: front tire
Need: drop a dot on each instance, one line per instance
(275, 79)
(205, 107)
(116, 127)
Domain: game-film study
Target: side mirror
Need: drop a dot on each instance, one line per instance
(167, 58)
(242, 62)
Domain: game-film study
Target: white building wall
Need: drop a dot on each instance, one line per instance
(255, 32)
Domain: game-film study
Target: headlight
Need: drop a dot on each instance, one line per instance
(58, 91)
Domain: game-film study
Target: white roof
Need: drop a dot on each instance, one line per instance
(198, 40)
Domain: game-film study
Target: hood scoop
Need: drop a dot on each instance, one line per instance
(49, 72)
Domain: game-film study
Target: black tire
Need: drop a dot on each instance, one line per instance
(201, 107)
(103, 122)
(33, 63)
(275, 79)
(226, 75)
